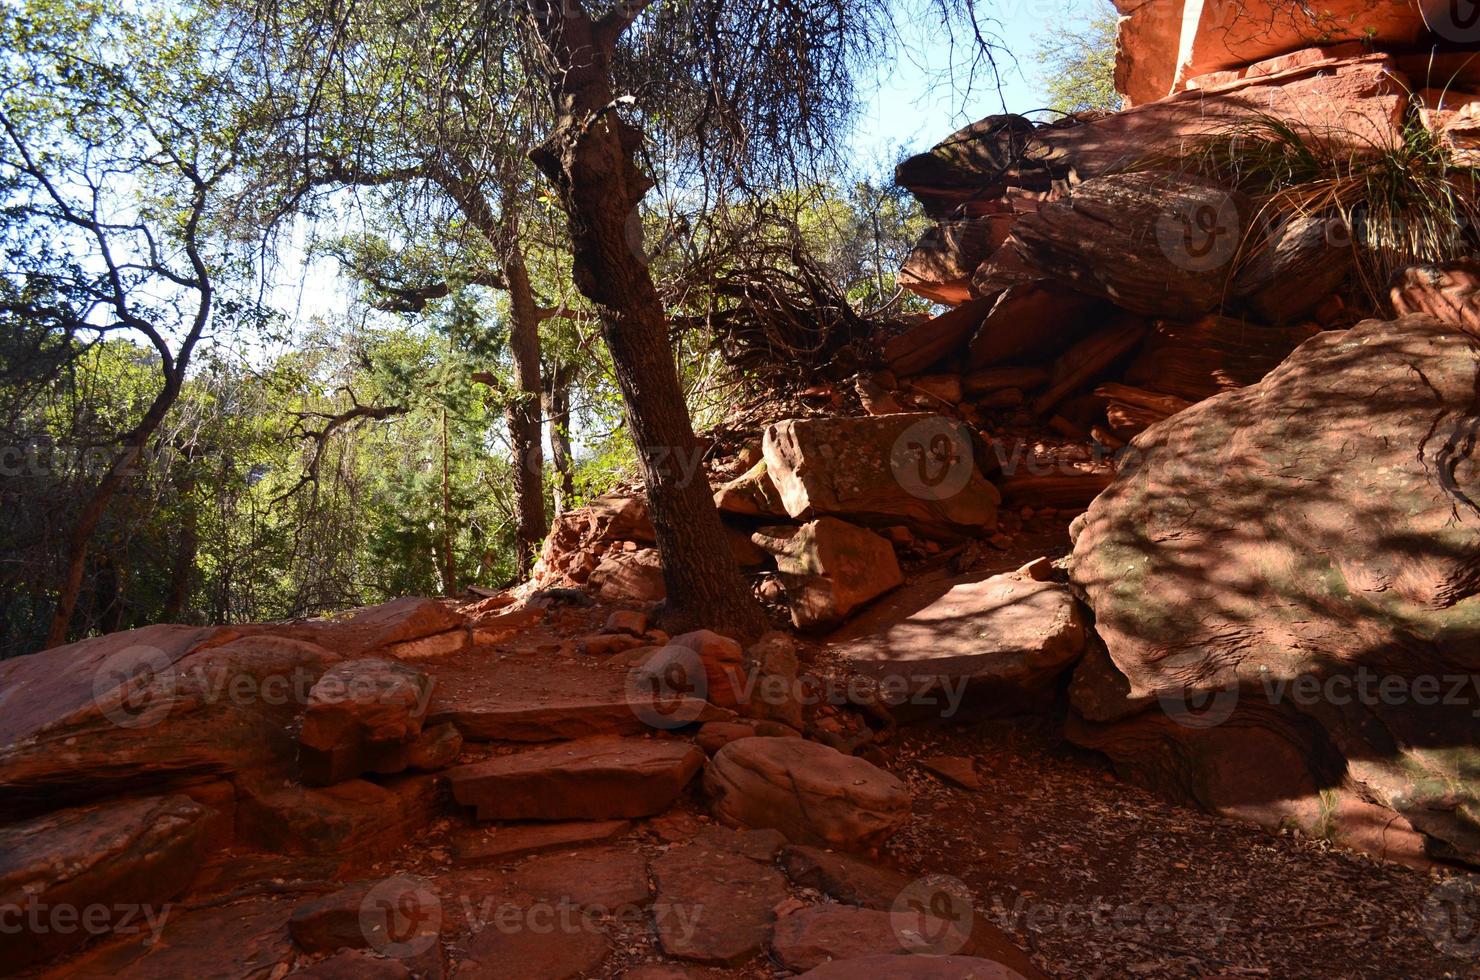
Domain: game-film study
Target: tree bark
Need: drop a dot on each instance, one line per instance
(523, 411)
(589, 159)
(557, 411)
(449, 536)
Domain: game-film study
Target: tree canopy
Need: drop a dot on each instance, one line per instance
(1078, 64)
(181, 447)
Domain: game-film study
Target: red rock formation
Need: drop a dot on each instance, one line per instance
(1300, 535)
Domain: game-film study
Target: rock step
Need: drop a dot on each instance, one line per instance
(1008, 634)
(913, 968)
(818, 934)
(715, 905)
(492, 845)
(522, 700)
(811, 793)
(602, 778)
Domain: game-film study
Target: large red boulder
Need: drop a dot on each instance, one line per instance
(915, 469)
(811, 793)
(1285, 580)
(70, 877)
(829, 568)
(363, 716)
(156, 706)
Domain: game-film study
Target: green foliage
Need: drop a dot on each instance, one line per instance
(305, 468)
(861, 235)
(1078, 64)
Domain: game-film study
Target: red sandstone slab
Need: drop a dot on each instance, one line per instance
(521, 699)
(589, 779)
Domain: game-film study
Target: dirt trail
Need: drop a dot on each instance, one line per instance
(1096, 878)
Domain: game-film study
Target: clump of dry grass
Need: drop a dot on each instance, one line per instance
(1402, 204)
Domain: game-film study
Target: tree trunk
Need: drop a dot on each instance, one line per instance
(449, 535)
(185, 553)
(523, 412)
(108, 601)
(589, 160)
(522, 415)
(557, 411)
(97, 505)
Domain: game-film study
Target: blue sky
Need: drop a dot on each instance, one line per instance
(911, 107)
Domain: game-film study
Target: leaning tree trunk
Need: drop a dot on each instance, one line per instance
(523, 412)
(589, 159)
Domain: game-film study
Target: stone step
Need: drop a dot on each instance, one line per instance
(518, 699)
(496, 844)
(715, 905)
(913, 968)
(1008, 634)
(603, 778)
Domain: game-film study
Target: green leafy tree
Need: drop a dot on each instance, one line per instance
(111, 163)
(1077, 62)
(437, 156)
(722, 95)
